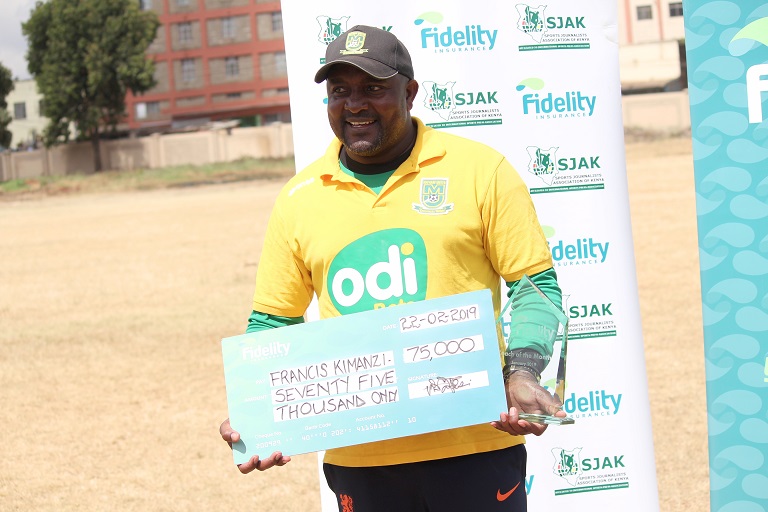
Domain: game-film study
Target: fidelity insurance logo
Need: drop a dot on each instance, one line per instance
(554, 105)
(589, 474)
(453, 39)
(268, 351)
(576, 251)
(564, 172)
(595, 404)
(589, 320)
(757, 75)
(551, 32)
(461, 107)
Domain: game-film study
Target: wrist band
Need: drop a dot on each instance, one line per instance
(516, 367)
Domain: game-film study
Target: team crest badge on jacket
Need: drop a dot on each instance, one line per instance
(434, 194)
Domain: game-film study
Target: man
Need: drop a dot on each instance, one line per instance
(387, 188)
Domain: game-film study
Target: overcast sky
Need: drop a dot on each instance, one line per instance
(13, 45)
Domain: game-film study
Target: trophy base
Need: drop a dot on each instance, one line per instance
(543, 419)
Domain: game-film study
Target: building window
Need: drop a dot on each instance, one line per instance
(234, 95)
(675, 9)
(272, 65)
(644, 12)
(227, 27)
(232, 66)
(145, 5)
(185, 32)
(41, 108)
(182, 3)
(148, 109)
(141, 111)
(20, 110)
(277, 22)
(281, 68)
(271, 118)
(188, 70)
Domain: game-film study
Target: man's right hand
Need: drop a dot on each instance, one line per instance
(231, 436)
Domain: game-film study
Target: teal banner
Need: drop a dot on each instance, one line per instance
(727, 54)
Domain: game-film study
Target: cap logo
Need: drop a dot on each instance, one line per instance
(355, 43)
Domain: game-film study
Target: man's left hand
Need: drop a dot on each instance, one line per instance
(525, 395)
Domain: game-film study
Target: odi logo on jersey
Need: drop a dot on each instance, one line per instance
(381, 269)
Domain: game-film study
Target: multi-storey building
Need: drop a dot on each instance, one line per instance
(651, 45)
(25, 105)
(225, 59)
(214, 60)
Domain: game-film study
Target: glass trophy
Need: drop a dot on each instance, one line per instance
(529, 320)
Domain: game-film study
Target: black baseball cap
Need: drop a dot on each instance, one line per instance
(377, 52)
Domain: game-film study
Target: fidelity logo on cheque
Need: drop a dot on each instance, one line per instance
(274, 349)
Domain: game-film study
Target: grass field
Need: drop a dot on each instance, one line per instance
(112, 306)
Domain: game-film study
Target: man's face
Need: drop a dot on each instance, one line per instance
(369, 115)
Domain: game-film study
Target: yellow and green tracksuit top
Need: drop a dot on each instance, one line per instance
(454, 217)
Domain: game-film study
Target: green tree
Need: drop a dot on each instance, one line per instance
(6, 86)
(85, 55)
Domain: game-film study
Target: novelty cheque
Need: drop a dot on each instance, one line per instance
(392, 372)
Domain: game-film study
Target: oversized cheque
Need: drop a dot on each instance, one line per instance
(416, 368)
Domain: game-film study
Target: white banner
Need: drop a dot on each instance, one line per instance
(539, 83)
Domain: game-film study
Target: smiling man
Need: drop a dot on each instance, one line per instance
(447, 215)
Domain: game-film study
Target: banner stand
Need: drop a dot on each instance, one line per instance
(539, 83)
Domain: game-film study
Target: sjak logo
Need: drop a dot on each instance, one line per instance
(381, 269)
(536, 24)
(531, 20)
(570, 466)
(434, 194)
(590, 310)
(331, 28)
(545, 163)
(542, 161)
(567, 464)
(440, 98)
